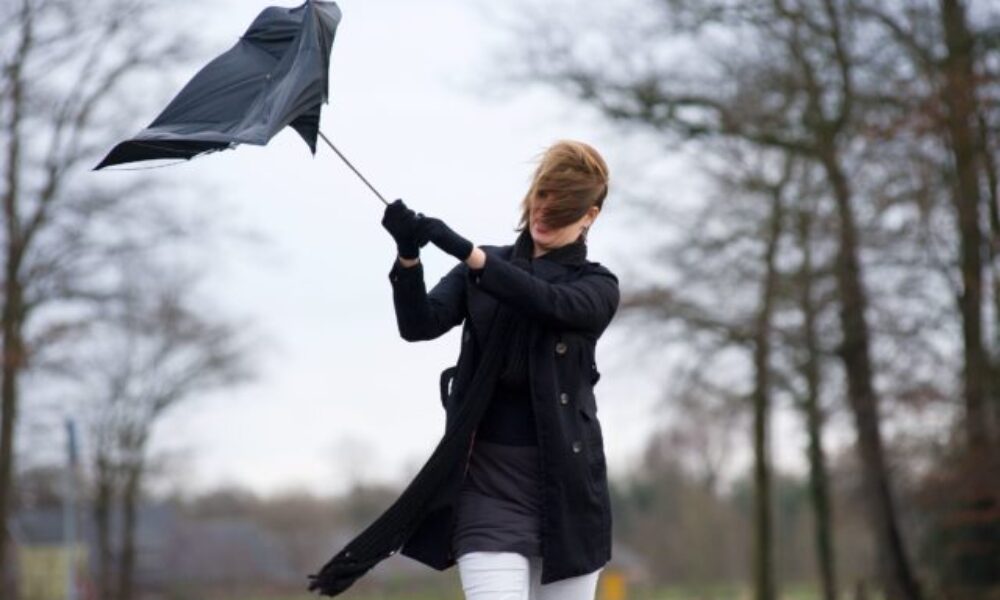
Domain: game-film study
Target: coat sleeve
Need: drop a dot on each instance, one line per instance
(421, 315)
(587, 303)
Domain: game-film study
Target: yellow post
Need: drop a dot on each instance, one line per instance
(612, 585)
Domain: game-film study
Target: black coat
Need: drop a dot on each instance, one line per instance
(569, 302)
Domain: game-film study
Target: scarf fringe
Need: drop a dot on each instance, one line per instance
(388, 533)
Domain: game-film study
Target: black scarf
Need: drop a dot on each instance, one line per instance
(392, 528)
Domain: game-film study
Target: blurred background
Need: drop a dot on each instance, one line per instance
(204, 393)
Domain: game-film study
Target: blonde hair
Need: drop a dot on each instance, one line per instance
(571, 177)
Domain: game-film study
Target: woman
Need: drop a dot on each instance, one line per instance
(533, 489)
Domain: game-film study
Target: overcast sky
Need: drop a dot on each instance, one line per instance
(339, 394)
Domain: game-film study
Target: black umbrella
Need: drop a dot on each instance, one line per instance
(275, 75)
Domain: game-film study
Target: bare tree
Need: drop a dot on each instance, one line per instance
(154, 347)
(784, 77)
(64, 66)
(943, 95)
(747, 218)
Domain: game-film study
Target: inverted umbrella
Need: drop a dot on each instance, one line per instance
(275, 75)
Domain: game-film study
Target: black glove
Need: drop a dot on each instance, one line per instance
(401, 222)
(435, 230)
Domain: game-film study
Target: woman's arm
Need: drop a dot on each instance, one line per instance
(586, 304)
(421, 315)
(408, 262)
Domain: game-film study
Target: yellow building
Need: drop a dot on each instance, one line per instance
(42, 570)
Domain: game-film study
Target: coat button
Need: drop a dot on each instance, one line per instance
(467, 336)
(563, 398)
(561, 348)
(577, 446)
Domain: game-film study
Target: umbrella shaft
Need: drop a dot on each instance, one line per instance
(348, 163)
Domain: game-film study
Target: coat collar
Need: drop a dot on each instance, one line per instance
(572, 254)
(551, 267)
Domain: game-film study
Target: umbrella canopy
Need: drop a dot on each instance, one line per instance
(276, 75)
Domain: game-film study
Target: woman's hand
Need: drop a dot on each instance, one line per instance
(401, 222)
(436, 231)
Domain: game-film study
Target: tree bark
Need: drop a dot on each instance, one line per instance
(764, 581)
(13, 309)
(959, 97)
(818, 479)
(12, 359)
(103, 509)
(897, 577)
(130, 502)
(993, 198)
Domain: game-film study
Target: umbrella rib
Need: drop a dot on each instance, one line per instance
(358, 173)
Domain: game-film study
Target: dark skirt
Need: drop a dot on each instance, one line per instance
(499, 505)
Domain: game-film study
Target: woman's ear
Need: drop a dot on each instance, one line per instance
(593, 212)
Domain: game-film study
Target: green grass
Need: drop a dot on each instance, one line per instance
(447, 591)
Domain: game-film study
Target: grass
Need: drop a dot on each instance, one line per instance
(406, 591)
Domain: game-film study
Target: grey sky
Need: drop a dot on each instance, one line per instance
(339, 393)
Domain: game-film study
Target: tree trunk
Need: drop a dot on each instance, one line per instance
(894, 568)
(818, 480)
(993, 200)
(958, 96)
(130, 502)
(12, 357)
(975, 508)
(764, 581)
(103, 508)
(12, 313)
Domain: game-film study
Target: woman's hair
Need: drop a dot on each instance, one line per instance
(570, 178)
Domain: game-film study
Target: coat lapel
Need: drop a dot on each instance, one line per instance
(550, 267)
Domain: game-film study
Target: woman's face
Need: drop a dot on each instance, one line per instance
(546, 237)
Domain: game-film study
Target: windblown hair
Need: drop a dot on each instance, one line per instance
(570, 178)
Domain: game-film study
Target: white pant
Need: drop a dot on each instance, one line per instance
(512, 576)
